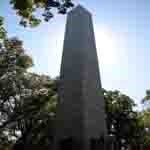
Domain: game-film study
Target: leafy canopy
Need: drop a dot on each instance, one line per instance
(29, 10)
(2, 29)
(122, 121)
(27, 100)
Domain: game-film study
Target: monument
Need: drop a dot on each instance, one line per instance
(80, 117)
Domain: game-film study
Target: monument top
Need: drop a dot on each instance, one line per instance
(80, 8)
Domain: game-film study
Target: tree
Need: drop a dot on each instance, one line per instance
(145, 120)
(27, 100)
(121, 120)
(2, 29)
(27, 9)
(146, 100)
(145, 117)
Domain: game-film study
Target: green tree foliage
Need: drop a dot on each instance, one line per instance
(121, 120)
(27, 100)
(27, 10)
(145, 120)
(2, 29)
(146, 97)
(146, 100)
(145, 117)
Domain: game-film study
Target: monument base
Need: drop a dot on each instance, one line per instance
(103, 143)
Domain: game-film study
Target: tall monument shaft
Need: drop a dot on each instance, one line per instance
(80, 109)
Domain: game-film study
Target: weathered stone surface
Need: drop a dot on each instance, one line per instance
(80, 109)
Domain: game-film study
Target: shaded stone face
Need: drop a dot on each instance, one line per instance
(80, 109)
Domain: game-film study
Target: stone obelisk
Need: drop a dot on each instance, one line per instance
(80, 109)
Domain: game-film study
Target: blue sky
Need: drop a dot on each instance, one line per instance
(122, 29)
